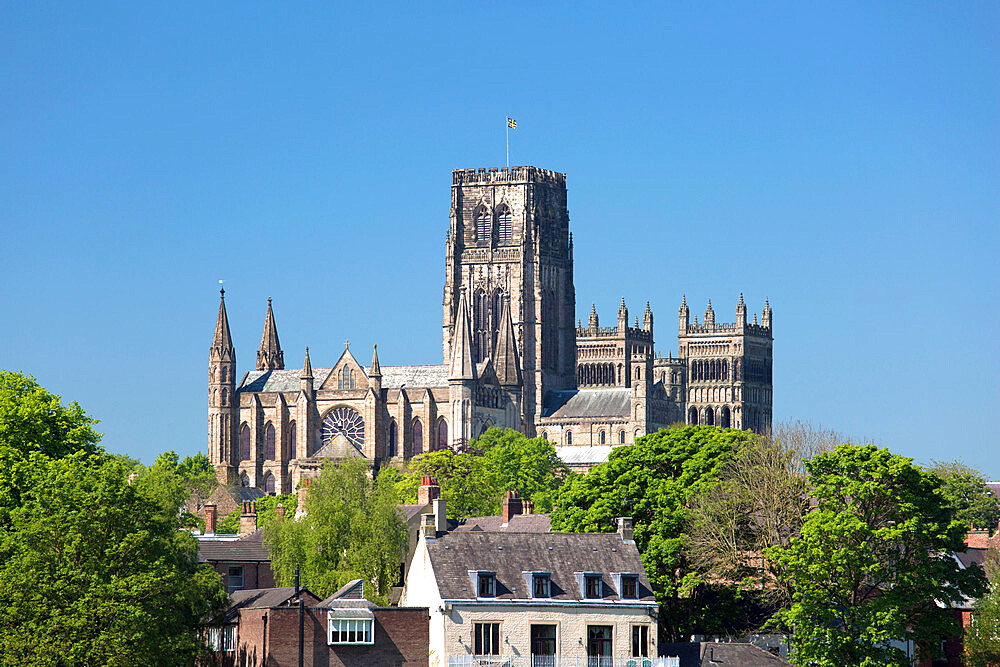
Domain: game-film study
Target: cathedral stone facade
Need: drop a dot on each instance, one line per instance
(512, 358)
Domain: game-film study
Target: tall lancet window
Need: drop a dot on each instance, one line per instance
(482, 226)
(504, 234)
(291, 441)
(497, 313)
(481, 324)
(418, 437)
(269, 442)
(245, 442)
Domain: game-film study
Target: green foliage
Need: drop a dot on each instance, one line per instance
(972, 500)
(351, 531)
(474, 483)
(93, 571)
(653, 481)
(230, 524)
(873, 561)
(982, 636)
(173, 482)
(33, 420)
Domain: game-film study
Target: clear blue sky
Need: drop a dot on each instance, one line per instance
(843, 162)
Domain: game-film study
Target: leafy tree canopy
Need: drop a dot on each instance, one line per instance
(972, 500)
(474, 482)
(94, 571)
(872, 562)
(982, 637)
(33, 420)
(652, 481)
(351, 530)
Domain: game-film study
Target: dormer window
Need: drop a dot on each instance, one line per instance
(541, 585)
(630, 587)
(487, 584)
(592, 586)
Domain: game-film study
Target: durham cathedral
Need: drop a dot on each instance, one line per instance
(512, 357)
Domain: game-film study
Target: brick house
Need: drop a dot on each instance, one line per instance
(241, 560)
(263, 627)
(496, 596)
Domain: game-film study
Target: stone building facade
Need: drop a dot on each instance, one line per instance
(512, 357)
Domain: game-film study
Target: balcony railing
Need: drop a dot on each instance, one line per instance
(558, 661)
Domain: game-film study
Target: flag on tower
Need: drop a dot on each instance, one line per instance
(511, 123)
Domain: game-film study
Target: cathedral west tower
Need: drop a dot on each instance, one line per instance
(509, 240)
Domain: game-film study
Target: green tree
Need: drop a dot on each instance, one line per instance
(33, 420)
(873, 561)
(94, 572)
(474, 482)
(971, 499)
(982, 636)
(653, 481)
(351, 530)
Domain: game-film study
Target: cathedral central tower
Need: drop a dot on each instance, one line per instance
(509, 239)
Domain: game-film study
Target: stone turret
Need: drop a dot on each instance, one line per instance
(269, 356)
(683, 316)
(766, 318)
(622, 317)
(375, 373)
(647, 319)
(306, 376)
(222, 401)
(741, 314)
(593, 323)
(461, 376)
(505, 358)
(709, 315)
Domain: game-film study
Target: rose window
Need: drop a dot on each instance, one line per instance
(347, 422)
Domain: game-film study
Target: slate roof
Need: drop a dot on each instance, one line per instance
(519, 523)
(995, 488)
(276, 381)
(717, 653)
(393, 377)
(587, 403)
(583, 455)
(453, 555)
(249, 548)
(263, 598)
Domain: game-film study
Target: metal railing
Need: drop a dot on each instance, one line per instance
(559, 661)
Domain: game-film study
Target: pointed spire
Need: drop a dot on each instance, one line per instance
(766, 320)
(755, 319)
(593, 322)
(741, 304)
(636, 321)
(463, 363)
(376, 370)
(222, 339)
(622, 310)
(741, 312)
(506, 362)
(307, 367)
(269, 356)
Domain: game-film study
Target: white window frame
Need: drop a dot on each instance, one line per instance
(363, 627)
(229, 638)
(229, 577)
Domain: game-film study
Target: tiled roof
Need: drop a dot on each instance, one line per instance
(262, 598)
(248, 548)
(394, 377)
(995, 488)
(583, 455)
(275, 381)
(693, 654)
(510, 555)
(587, 403)
(407, 512)
(519, 523)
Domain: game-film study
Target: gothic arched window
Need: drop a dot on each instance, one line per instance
(602, 437)
(569, 437)
(418, 437)
(497, 314)
(621, 437)
(269, 484)
(269, 442)
(482, 225)
(480, 323)
(392, 438)
(291, 441)
(709, 417)
(245, 442)
(442, 434)
(504, 232)
(225, 397)
(245, 480)
(693, 416)
(724, 417)
(347, 422)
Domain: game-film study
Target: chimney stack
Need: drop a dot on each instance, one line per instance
(512, 506)
(625, 529)
(429, 491)
(529, 506)
(427, 526)
(248, 517)
(440, 515)
(211, 518)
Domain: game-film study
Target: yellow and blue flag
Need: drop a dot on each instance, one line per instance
(511, 123)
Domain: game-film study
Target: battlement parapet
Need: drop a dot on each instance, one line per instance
(607, 332)
(729, 328)
(483, 176)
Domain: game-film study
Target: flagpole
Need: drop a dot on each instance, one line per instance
(506, 126)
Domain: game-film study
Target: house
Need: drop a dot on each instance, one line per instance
(496, 596)
(290, 626)
(241, 560)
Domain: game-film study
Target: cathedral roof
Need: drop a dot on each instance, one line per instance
(394, 377)
(280, 381)
(587, 403)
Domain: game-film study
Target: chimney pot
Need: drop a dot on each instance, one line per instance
(211, 518)
(429, 491)
(512, 506)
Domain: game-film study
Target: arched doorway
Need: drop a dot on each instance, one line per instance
(693, 416)
(709, 417)
(724, 417)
